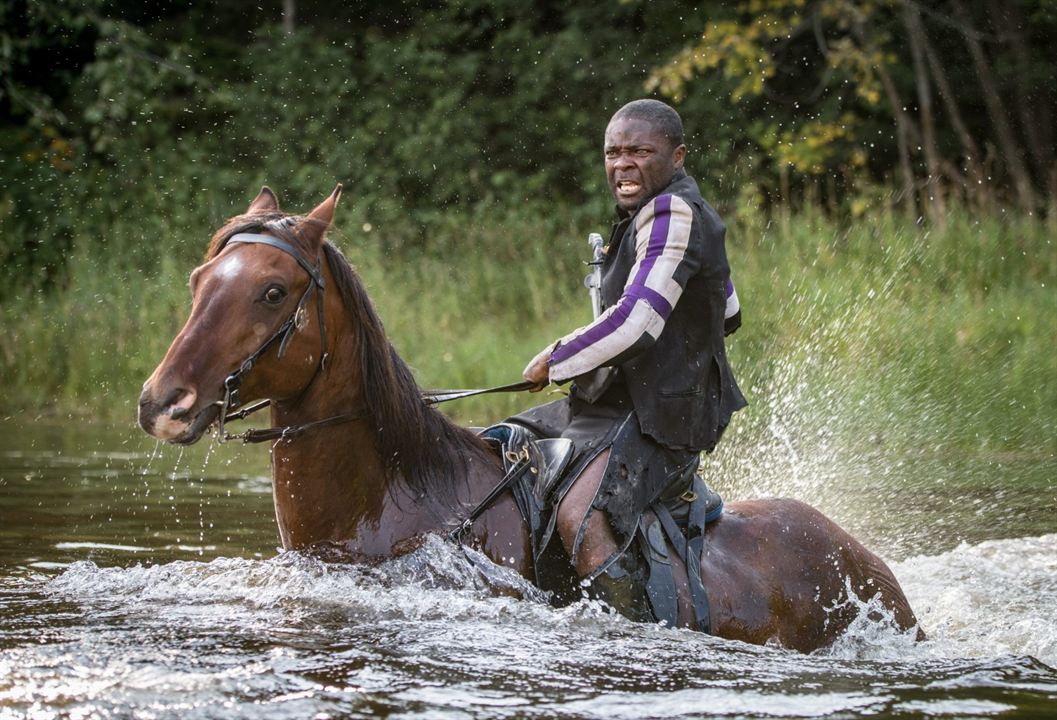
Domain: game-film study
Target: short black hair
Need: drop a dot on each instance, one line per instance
(658, 114)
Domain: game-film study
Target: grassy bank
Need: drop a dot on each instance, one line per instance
(875, 332)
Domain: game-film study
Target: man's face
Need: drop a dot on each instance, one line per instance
(640, 161)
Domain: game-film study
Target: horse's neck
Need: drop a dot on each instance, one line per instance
(330, 484)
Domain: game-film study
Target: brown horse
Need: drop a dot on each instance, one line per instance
(279, 314)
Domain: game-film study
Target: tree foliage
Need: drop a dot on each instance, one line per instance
(154, 118)
(833, 83)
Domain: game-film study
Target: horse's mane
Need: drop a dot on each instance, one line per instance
(414, 440)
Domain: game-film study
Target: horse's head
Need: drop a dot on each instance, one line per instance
(258, 298)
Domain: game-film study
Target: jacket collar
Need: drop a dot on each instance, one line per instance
(678, 178)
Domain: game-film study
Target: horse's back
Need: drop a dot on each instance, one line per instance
(777, 569)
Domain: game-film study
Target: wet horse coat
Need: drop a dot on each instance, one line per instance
(774, 569)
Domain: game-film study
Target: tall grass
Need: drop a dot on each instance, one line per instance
(893, 331)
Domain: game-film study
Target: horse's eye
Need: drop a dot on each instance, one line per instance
(274, 295)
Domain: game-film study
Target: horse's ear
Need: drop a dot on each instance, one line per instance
(265, 202)
(320, 219)
(324, 212)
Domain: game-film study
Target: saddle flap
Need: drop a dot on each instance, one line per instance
(554, 456)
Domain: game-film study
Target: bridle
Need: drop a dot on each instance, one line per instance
(282, 335)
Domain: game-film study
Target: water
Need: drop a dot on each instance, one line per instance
(140, 581)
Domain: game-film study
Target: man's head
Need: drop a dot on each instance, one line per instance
(643, 150)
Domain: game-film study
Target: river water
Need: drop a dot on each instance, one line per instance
(144, 581)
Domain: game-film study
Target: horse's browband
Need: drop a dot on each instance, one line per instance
(258, 239)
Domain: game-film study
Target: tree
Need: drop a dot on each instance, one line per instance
(935, 204)
(1011, 149)
(862, 65)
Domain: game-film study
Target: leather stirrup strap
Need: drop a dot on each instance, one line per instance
(513, 474)
(660, 585)
(691, 554)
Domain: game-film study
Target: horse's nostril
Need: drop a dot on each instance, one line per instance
(172, 396)
(178, 403)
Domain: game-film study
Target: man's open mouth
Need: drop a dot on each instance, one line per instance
(628, 187)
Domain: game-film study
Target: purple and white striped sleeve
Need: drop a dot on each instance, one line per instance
(662, 237)
(733, 306)
(732, 312)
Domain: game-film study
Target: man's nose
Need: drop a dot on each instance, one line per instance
(623, 162)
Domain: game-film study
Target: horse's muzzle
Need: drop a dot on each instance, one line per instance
(172, 419)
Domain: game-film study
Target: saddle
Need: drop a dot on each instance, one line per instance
(534, 469)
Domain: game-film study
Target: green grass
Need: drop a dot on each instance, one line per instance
(944, 338)
(877, 329)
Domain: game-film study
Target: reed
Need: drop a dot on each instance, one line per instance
(925, 338)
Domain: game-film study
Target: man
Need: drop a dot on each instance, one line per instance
(652, 387)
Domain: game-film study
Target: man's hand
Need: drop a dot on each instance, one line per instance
(538, 371)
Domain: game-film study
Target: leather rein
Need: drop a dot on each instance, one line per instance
(283, 335)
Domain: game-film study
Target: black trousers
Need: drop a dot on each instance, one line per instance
(640, 470)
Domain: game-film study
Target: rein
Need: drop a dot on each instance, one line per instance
(436, 397)
(283, 335)
(430, 397)
(288, 432)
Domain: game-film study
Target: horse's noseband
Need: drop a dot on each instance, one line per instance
(283, 334)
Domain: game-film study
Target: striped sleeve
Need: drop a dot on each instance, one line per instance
(733, 307)
(655, 283)
(732, 312)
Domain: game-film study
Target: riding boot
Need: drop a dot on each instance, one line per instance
(622, 585)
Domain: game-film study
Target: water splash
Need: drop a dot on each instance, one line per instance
(457, 581)
(427, 634)
(995, 598)
(955, 594)
(835, 421)
(791, 441)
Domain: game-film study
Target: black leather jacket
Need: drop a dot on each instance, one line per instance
(681, 386)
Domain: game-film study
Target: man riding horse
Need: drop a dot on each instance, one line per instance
(651, 384)
(363, 462)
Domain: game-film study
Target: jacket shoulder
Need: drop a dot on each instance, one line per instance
(667, 203)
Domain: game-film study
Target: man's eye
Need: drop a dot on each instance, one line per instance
(274, 295)
(641, 152)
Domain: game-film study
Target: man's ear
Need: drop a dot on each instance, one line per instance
(265, 202)
(679, 156)
(317, 221)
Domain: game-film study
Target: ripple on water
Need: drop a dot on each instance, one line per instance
(426, 635)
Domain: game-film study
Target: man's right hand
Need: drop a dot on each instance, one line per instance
(538, 370)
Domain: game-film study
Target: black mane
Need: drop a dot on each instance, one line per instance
(414, 440)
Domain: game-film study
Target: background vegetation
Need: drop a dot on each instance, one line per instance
(886, 168)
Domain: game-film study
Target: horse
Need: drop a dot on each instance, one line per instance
(360, 461)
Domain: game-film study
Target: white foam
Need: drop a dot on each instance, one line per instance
(995, 598)
(428, 633)
(99, 546)
(457, 584)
